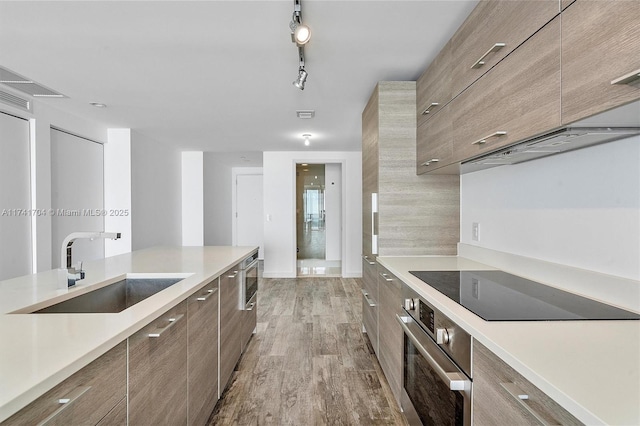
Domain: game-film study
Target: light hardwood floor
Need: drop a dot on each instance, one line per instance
(308, 363)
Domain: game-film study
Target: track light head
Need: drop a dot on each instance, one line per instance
(301, 34)
(302, 78)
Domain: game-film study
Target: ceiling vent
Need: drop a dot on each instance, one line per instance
(24, 85)
(15, 101)
(305, 114)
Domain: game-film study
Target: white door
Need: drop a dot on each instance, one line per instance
(249, 225)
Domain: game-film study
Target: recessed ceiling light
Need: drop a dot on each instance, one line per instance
(98, 104)
(306, 137)
(304, 164)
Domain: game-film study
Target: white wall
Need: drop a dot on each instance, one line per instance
(279, 210)
(333, 203)
(581, 208)
(217, 201)
(156, 202)
(117, 190)
(192, 198)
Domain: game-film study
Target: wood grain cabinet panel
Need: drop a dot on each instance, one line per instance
(390, 335)
(158, 370)
(370, 301)
(230, 328)
(434, 146)
(493, 22)
(600, 43)
(117, 416)
(202, 353)
(520, 97)
(496, 387)
(92, 393)
(369, 168)
(433, 88)
(249, 322)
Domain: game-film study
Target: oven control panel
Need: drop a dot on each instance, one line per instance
(427, 317)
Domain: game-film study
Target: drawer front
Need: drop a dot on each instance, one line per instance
(92, 393)
(600, 44)
(390, 335)
(433, 88)
(496, 388)
(517, 99)
(202, 352)
(249, 322)
(491, 23)
(370, 277)
(117, 416)
(435, 142)
(158, 370)
(230, 326)
(370, 321)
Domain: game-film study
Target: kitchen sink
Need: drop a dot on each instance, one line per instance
(112, 298)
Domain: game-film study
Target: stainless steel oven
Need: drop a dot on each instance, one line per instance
(249, 280)
(437, 366)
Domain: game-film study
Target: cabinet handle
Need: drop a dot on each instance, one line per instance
(492, 135)
(427, 163)
(630, 78)
(521, 397)
(66, 402)
(494, 48)
(172, 321)
(386, 277)
(371, 303)
(433, 105)
(252, 305)
(235, 274)
(208, 295)
(366, 258)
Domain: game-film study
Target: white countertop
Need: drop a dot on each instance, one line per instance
(591, 368)
(40, 350)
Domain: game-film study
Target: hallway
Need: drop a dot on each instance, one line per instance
(308, 363)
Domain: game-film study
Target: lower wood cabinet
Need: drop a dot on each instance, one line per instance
(230, 327)
(498, 395)
(89, 395)
(249, 322)
(390, 334)
(158, 370)
(117, 416)
(202, 353)
(370, 301)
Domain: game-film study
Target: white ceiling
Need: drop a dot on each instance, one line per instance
(217, 75)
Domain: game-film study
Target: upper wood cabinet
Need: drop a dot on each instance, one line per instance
(90, 394)
(433, 88)
(417, 215)
(600, 44)
(494, 29)
(517, 99)
(434, 147)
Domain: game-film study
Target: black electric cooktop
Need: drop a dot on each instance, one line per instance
(500, 296)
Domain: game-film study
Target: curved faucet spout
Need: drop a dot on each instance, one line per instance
(74, 275)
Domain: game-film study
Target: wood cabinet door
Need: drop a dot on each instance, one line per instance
(90, 394)
(249, 322)
(202, 353)
(117, 416)
(158, 370)
(490, 24)
(496, 390)
(369, 168)
(390, 334)
(230, 325)
(433, 88)
(370, 302)
(517, 99)
(434, 146)
(600, 44)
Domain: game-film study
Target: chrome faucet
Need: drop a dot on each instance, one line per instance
(74, 274)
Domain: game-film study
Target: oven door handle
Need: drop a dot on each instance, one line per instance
(455, 380)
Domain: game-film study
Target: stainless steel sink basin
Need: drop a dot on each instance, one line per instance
(112, 298)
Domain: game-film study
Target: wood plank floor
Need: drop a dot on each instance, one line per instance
(309, 362)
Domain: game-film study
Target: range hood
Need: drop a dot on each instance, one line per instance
(623, 122)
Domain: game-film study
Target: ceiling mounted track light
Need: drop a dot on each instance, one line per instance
(300, 35)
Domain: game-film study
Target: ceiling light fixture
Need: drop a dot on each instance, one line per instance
(300, 35)
(306, 137)
(98, 104)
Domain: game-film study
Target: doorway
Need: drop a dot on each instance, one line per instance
(318, 218)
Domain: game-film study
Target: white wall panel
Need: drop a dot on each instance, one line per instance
(15, 198)
(580, 208)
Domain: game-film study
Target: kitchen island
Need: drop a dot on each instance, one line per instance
(591, 368)
(41, 350)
